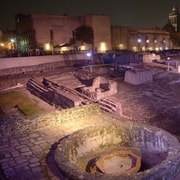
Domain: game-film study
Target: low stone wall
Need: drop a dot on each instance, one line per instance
(40, 91)
(138, 77)
(148, 58)
(38, 63)
(53, 96)
(150, 140)
(26, 125)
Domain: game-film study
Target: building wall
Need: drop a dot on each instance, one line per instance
(0, 35)
(40, 30)
(30, 61)
(119, 36)
(54, 29)
(140, 39)
(101, 25)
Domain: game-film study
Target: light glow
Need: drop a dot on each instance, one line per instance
(134, 49)
(12, 40)
(139, 40)
(157, 49)
(103, 47)
(121, 46)
(47, 47)
(143, 48)
(83, 48)
(147, 41)
(88, 54)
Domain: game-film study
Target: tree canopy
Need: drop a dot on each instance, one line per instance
(84, 34)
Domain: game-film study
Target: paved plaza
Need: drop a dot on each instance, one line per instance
(30, 156)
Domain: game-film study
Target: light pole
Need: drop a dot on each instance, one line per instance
(147, 44)
(12, 43)
(139, 44)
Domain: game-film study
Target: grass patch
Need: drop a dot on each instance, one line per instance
(26, 104)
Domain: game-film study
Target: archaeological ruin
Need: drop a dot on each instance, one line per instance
(62, 96)
(109, 122)
(118, 150)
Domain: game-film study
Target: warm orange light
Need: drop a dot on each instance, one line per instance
(64, 49)
(134, 48)
(82, 48)
(103, 47)
(121, 46)
(157, 49)
(47, 47)
(143, 48)
(150, 48)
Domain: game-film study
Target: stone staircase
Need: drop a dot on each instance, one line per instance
(109, 104)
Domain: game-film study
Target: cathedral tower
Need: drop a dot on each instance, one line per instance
(174, 19)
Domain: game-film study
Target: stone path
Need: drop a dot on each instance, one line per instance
(29, 156)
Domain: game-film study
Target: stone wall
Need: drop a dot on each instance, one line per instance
(53, 96)
(38, 63)
(26, 125)
(148, 58)
(46, 94)
(101, 88)
(138, 77)
(66, 100)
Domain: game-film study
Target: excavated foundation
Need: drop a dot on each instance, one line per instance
(98, 152)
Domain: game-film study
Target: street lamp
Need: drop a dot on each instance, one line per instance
(139, 43)
(164, 43)
(12, 43)
(12, 40)
(155, 41)
(147, 43)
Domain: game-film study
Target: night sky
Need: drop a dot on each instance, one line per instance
(139, 13)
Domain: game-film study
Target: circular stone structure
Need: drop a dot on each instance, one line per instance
(159, 151)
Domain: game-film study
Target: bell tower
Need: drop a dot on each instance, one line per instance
(174, 18)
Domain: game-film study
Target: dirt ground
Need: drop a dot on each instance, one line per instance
(155, 103)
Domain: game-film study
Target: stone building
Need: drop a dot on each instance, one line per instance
(102, 31)
(7, 42)
(174, 18)
(139, 39)
(43, 31)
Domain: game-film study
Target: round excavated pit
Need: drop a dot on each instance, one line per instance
(122, 150)
(118, 162)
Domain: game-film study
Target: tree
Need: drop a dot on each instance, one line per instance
(84, 34)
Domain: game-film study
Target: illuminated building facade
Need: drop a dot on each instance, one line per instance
(102, 31)
(41, 33)
(140, 39)
(44, 32)
(7, 42)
